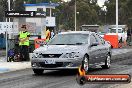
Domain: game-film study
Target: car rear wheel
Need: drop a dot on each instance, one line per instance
(85, 63)
(107, 62)
(38, 71)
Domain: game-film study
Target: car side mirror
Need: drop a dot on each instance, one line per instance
(94, 44)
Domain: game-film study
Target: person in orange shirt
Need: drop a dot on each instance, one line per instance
(47, 35)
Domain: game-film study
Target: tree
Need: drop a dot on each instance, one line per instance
(110, 4)
(125, 11)
(18, 5)
(88, 12)
(3, 8)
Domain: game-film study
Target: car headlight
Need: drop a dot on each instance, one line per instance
(71, 55)
(36, 55)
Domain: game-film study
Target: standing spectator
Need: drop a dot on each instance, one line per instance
(59, 31)
(47, 35)
(24, 43)
(128, 36)
(52, 34)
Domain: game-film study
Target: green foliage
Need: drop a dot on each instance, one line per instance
(18, 5)
(125, 11)
(40, 1)
(88, 12)
(3, 8)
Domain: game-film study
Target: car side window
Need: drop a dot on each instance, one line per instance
(100, 40)
(103, 42)
(93, 39)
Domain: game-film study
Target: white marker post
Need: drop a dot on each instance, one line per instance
(7, 33)
(6, 43)
(75, 16)
(117, 17)
(9, 6)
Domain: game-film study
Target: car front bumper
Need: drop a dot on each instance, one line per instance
(60, 63)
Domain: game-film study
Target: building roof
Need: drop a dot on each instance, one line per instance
(119, 26)
(43, 4)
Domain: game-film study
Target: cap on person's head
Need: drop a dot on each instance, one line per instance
(23, 26)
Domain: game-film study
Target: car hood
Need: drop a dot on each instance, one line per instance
(60, 48)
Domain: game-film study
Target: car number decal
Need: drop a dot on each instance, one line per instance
(49, 61)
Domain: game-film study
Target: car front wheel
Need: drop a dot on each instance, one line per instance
(85, 63)
(38, 71)
(107, 62)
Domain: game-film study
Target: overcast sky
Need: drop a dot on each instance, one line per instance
(101, 2)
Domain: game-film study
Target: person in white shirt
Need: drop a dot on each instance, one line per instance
(52, 34)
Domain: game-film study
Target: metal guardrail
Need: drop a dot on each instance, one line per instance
(14, 43)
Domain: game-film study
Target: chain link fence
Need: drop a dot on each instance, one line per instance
(35, 26)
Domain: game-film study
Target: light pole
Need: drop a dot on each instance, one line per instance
(9, 7)
(117, 16)
(7, 32)
(105, 10)
(75, 16)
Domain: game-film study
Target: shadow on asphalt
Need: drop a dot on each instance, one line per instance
(67, 72)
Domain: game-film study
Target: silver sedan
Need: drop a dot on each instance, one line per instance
(69, 50)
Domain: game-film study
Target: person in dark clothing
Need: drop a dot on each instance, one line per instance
(129, 36)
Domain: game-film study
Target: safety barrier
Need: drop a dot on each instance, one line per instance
(113, 39)
(39, 42)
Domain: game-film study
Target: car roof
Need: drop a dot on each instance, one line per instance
(76, 32)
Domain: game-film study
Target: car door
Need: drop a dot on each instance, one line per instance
(94, 50)
(102, 48)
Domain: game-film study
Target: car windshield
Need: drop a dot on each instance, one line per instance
(69, 39)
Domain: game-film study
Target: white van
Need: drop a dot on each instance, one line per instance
(122, 34)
